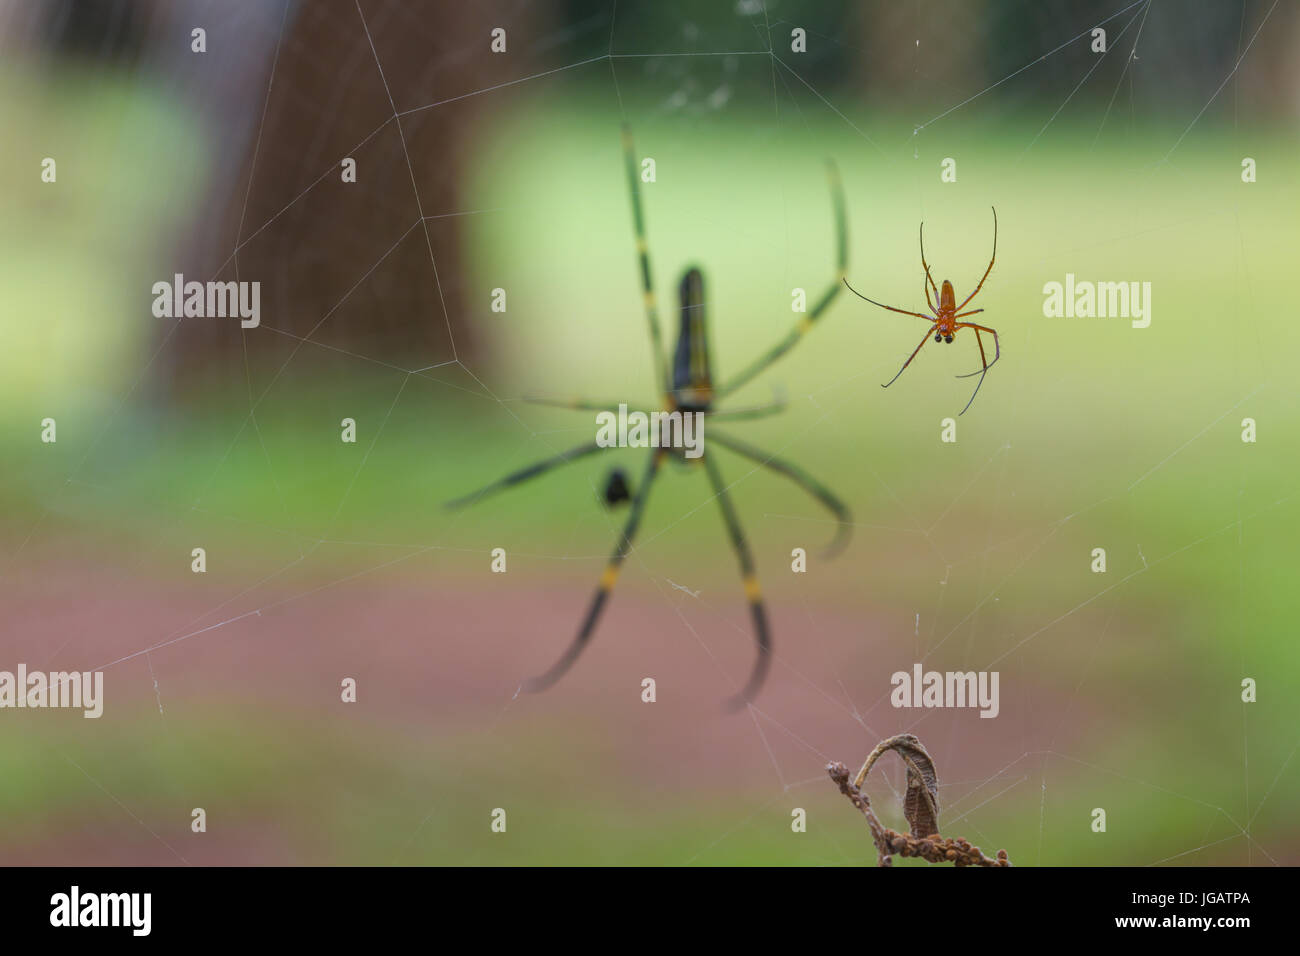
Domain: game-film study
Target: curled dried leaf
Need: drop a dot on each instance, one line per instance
(920, 806)
(921, 801)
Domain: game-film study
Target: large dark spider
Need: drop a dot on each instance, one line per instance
(689, 388)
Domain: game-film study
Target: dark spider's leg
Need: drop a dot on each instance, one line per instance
(643, 257)
(991, 261)
(778, 404)
(843, 518)
(579, 404)
(749, 414)
(924, 339)
(607, 579)
(524, 474)
(801, 328)
(753, 593)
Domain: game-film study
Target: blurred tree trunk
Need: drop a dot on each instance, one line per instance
(349, 265)
(919, 52)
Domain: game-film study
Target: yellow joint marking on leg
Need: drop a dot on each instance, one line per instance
(804, 325)
(608, 578)
(752, 590)
(641, 245)
(649, 300)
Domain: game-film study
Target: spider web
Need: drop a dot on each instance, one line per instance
(970, 541)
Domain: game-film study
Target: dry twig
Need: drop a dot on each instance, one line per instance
(920, 806)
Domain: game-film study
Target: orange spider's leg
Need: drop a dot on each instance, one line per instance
(991, 261)
(928, 318)
(924, 339)
(984, 362)
(929, 278)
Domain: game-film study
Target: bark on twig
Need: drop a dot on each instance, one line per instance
(920, 806)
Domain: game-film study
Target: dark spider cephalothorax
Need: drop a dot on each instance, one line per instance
(688, 387)
(617, 489)
(944, 313)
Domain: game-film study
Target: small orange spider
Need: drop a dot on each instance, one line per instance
(945, 313)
